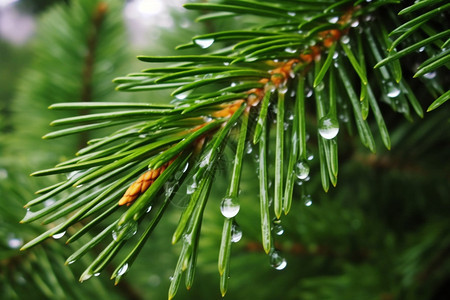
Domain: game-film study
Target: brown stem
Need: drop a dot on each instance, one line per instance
(89, 61)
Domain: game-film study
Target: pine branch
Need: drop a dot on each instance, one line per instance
(294, 47)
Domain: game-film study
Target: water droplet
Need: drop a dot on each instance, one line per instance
(248, 147)
(204, 43)
(430, 75)
(320, 86)
(71, 262)
(206, 159)
(229, 207)
(14, 242)
(291, 13)
(277, 227)
(142, 136)
(355, 24)
(335, 55)
(125, 231)
(277, 261)
(122, 270)
(236, 232)
(149, 209)
(308, 93)
(333, 20)
(310, 155)
(191, 188)
(49, 202)
(328, 127)
(97, 274)
(307, 200)
(421, 49)
(368, 18)
(59, 235)
(301, 170)
(183, 95)
(345, 39)
(392, 91)
(282, 89)
(290, 50)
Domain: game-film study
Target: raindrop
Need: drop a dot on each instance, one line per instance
(49, 202)
(236, 232)
(421, 49)
(301, 170)
(335, 55)
(122, 270)
(142, 136)
(229, 207)
(345, 39)
(392, 90)
(59, 235)
(125, 231)
(333, 20)
(97, 274)
(206, 159)
(307, 200)
(290, 50)
(310, 155)
(149, 209)
(71, 262)
(277, 261)
(368, 18)
(14, 242)
(277, 227)
(291, 13)
(355, 24)
(320, 86)
(182, 96)
(248, 147)
(282, 89)
(309, 93)
(430, 75)
(204, 43)
(328, 127)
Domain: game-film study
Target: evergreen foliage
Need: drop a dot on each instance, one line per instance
(295, 81)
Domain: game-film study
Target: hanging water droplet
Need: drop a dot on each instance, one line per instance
(309, 93)
(345, 39)
(333, 20)
(421, 49)
(290, 50)
(335, 55)
(149, 209)
(248, 147)
(277, 227)
(392, 91)
(236, 232)
(320, 86)
(277, 261)
(204, 43)
(309, 155)
(182, 96)
(122, 270)
(301, 169)
(59, 235)
(125, 231)
(355, 24)
(229, 207)
(328, 127)
(206, 159)
(291, 13)
(307, 200)
(282, 89)
(14, 242)
(97, 274)
(49, 202)
(430, 75)
(71, 262)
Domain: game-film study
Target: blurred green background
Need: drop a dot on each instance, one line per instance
(382, 233)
